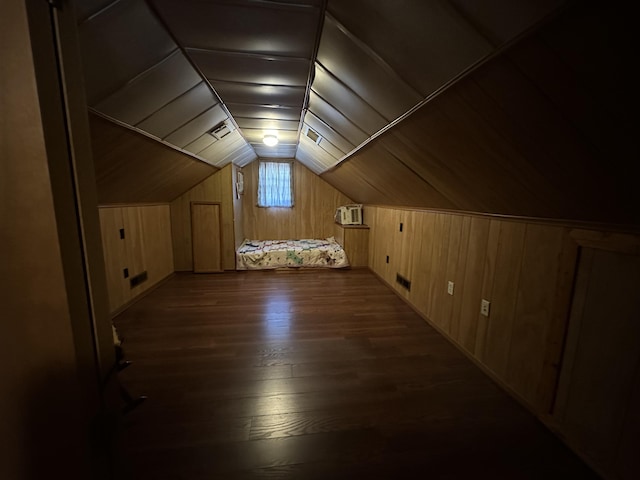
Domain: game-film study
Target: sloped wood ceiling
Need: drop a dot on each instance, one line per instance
(543, 130)
(325, 76)
(136, 74)
(506, 107)
(132, 168)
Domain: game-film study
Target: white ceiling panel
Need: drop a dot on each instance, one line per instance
(331, 149)
(250, 68)
(284, 136)
(152, 90)
(239, 156)
(118, 44)
(327, 132)
(264, 111)
(178, 112)
(429, 47)
(364, 73)
(336, 120)
(313, 157)
(260, 94)
(348, 68)
(195, 128)
(351, 105)
(244, 156)
(221, 150)
(200, 143)
(266, 28)
(279, 151)
(265, 124)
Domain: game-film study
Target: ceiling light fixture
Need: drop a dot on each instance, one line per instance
(270, 140)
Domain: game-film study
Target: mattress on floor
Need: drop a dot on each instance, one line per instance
(266, 254)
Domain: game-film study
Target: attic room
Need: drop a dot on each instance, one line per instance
(487, 321)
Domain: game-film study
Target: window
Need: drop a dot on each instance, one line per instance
(275, 185)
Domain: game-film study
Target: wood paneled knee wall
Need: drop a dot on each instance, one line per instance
(526, 269)
(138, 239)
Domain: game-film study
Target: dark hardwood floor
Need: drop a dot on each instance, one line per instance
(313, 374)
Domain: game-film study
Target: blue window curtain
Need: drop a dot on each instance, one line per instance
(275, 186)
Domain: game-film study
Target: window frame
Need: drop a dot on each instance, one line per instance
(291, 182)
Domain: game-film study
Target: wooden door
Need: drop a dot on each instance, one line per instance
(206, 237)
(599, 388)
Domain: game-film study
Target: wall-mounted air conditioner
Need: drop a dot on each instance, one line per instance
(349, 214)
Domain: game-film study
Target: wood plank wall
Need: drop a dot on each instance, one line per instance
(132, 168)
(355, 240)
(519, 267)
(542, 130)
(217, 188)
(44, 411)
(146, 246)
(526, 270)
(315, 203)
(598, 399)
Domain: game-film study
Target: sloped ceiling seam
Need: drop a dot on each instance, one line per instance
(312, 63)
(148, 135)
(497, 52)
(160, 19)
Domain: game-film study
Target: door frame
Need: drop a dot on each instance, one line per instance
(202, 202)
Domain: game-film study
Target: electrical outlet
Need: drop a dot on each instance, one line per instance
(450, 288)
(484, 307)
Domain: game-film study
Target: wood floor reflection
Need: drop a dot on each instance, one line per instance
(313, 374)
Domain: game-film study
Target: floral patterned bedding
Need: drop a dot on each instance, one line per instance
(265, 254)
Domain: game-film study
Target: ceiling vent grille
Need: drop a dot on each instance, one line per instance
(220, 131)
(312, 135)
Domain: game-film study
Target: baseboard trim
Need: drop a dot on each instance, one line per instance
(140, 296)
(497, 380)
(544, 418)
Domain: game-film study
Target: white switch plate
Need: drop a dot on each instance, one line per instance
(484, 307)
(450, 288)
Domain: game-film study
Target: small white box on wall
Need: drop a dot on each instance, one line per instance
(240, 184)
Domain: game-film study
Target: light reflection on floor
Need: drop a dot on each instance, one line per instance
(277, 319)
(271, 399)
